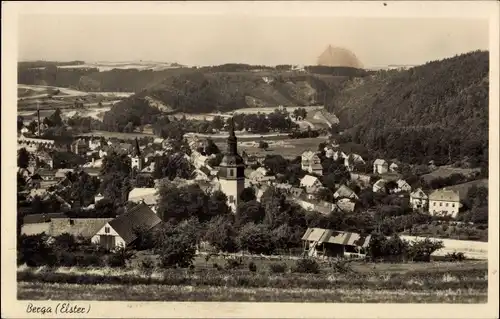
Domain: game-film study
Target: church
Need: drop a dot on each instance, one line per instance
(232, 171)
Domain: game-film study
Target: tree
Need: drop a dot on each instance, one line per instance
(23, 158)
(55, 119)
(174, 247)
(325, 194)
(421, 250)
(263, 145)
(248, 194)
(251, 211)
(221, 234)
(256, 239)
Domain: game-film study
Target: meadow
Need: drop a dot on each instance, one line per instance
(442, 282)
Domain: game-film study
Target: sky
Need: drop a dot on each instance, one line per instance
(263, 40)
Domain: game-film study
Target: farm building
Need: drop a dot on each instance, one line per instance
(310, 162)
(123, 230)
(147, 195)
(319, 242)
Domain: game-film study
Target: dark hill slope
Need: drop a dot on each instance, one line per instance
(436, 111)
(199, 91)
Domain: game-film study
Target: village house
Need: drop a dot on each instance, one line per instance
(344, 192)
(98, 197)
(338, 155)
(380, 166)
(148, 196)
(394, 168)
(326, 243)
(403, 186)
(202, 174)
(261, 175)
(35, 224)
(444, 202)
(33, 144)
(362, 180)
(311, 183)
(79, 147)
(310, 162)
(123, 230)
(380, 186)
(418, 199)
(345, 205)
(95, 143)
(351, 161)
(311, 204)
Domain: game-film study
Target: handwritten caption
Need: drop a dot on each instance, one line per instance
(60, 308)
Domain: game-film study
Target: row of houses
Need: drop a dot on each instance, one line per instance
(109, 233)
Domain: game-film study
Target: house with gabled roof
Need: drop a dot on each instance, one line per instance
(261, 175)
(325, 243)
(380, 186)
(444, 202)
(380, 166)
(351, 161)
(123, 230)
(419, 199)
(394, 168)
(310, 162)
(344, 192)
(403, 186)
(345, 205)
(311, 183)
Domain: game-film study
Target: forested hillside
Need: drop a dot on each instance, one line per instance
(437, 111)
(199, 91)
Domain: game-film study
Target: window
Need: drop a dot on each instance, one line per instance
(71, 222)
(106, 230)
(231, 172)
(452, 205)
(446, 204)
(231, 199)
(440, 204)
(434, 204)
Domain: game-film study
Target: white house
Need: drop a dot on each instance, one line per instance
(311, 163)
(124, 229)
(418, 199)
(310, 183)
(444, 202)
(394, 168)
(380, 166)
(345, 192)
(260, 175)
(403, 186)
(379, 186)
(351, 161)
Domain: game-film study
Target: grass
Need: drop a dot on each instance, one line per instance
(449, 282)
(288, 148)
(446, 171)
(45, 291)
(463, 188)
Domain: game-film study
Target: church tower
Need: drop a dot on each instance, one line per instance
(137, 161)
(232, 171)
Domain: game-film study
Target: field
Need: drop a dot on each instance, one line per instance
(437, 282)
(463, 188)
(284, 146)
(446, 171)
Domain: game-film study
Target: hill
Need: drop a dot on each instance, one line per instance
(207, 90)
(437, 111)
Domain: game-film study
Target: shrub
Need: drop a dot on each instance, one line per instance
(233, 263)
(119, 258)
(455, 256)
(306, 265)
(277, 268)
(252, 267)
(147, 264)
(216, 266)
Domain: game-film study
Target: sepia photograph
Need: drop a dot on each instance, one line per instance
(303, 153)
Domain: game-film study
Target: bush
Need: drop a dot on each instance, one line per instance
(216, 266)
(147, 264)
(278, 268)
(233, 263)
(307, 266)
(455, 256)
(252, 267)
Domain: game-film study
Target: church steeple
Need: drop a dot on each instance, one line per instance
(137, 148)
(232, 143)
